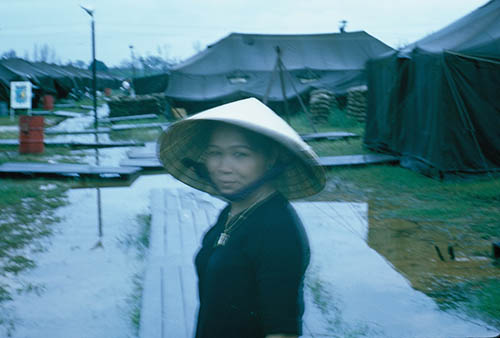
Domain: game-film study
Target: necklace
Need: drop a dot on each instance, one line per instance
(232, 223)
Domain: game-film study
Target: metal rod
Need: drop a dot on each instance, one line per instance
(94, 75)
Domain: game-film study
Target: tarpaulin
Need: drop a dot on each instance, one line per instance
(435, 103)
(241, 65)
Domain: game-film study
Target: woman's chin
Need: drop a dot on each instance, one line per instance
(225, 190)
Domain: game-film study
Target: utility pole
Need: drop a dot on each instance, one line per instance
(96, 123)
(133, 61)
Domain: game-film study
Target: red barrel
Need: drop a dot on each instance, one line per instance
(107, 92)
(48, 102)
(31, 134)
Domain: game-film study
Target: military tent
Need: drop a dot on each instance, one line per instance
(52, 79)
(436, 102)
(241, 65)
(151, 84)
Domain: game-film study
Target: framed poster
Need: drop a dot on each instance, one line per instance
(20, 95)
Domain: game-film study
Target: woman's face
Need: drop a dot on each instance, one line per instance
(231, 160)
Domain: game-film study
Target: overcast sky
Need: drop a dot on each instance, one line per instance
(176, 28)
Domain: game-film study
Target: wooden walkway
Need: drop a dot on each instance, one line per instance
(77, 144)
(330, 135)
(355, 160)
(66, 169)
(56, 113)
(118, 127)
(180, 217)
(350, 290)
(128, 118)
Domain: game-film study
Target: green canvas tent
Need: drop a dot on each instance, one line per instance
(151, 84)
(436, 102)
(241, 65)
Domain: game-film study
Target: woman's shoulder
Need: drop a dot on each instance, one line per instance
(279, 210)
(278, 218)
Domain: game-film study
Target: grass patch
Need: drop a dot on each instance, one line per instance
(138, 241)
(139, 135)
(338, 121)
(410, 213)
(57, 154)
(477, 298)
(28, 213)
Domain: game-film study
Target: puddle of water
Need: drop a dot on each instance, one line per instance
(83, 291)
(358, 293)
(81, 123)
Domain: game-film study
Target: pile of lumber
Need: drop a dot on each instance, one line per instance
(357, 102)
(138, 105)
(321, 101)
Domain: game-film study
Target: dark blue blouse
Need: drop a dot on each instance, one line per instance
(253, 285)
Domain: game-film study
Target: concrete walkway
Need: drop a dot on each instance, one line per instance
(350, 290)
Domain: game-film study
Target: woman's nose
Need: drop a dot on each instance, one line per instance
(225, 164)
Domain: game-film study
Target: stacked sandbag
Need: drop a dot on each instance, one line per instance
(137, 105)
(357, 102)
(321, 101)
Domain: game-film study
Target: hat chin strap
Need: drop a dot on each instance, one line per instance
(245, 192)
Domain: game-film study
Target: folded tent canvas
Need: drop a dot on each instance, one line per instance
(435, 103)
(241, 65)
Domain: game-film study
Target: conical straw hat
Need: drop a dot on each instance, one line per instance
(181, 145)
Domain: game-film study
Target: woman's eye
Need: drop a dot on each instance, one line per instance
(240, 154)
(213, 153)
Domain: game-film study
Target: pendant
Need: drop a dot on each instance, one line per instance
(222, 239)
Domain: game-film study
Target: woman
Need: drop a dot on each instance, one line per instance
(252, 261)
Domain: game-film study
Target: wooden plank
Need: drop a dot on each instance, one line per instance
(351, 160)
(63, 168)
(148, 151)
(138, 126)
(77, 144)
(173, 238)
(152, 307)
(129, 118)
(158, 231)
(331, 135)
(149, 163)
(77, 132)
(60, 113)
(174, 314)
(65, 105)
(190, 287)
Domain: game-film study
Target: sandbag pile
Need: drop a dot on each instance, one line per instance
(321, 101)
(357, 102)
(138, 105)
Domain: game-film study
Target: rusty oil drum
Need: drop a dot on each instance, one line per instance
(48, 102)
(31, 134)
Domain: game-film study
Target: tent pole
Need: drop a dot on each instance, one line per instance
(271, 81)
(282, 82)
(306, 111)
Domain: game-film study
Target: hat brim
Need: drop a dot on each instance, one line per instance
(184, 143)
